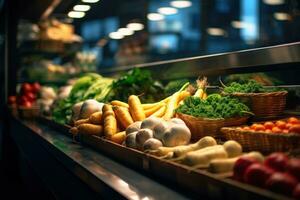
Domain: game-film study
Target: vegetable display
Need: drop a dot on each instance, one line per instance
(215, 107)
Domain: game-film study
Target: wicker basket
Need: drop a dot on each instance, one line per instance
(201, 127)
(28, 113)
(264, 105)
(261, 141)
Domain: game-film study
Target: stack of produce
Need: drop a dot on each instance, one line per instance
(277, 173)
(47, 98)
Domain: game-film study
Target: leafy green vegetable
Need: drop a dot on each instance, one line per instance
(215, 107)
(248, 87)
(137, 82)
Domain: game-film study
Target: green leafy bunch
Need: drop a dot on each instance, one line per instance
(250, 86)
(215, 107)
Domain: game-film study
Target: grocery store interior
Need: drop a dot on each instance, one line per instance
(150, 99)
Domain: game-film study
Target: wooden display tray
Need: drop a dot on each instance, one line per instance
(194, 182)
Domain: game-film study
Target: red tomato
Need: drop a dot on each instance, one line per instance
(36, 87)
(22, 100)
(259, 127)
(26, 88)
(268, 131)
(31, 96)
(269, 125)
(285, 131)
(293, 120)
(289, 125)
(295, 128)
(246, 128)
(12, 100)
(27, 104)
(281, 124)
(253, 126)
(276, 130)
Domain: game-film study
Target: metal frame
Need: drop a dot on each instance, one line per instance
(286, 56)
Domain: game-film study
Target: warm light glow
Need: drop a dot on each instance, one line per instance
(81, 8)
(181, 3)
(90, 1)
(135, 26)
(215, 31)
(241, 24)
(155, 16)
(116, 35)
(167, 10)
(273, 2)
(125, 31)
(281, 16)
(76, 14)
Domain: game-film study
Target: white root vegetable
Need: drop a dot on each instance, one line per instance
(136, 126)
(176, 135)
(76, 111)
(142, 136)
(203, 156)
(130, 140)
(177, 121)
(233, 148)
(89, 107)
(202, 143)
(152, 144)
(255, 155)
(151, 122)
(222, 165)
(160, 129)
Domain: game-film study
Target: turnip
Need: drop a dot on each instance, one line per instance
(142, 136)
(89, 107)
(136, 126)
(176, 135)
(152, 144)
(130, 140)
(160, 129)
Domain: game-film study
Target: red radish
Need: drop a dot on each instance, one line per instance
(282, 183)
(22, 99)
(36, 87)
(296, 192)
(293, 168)
(27, 104)
(241, 166)
(257, 174)
(277, 161)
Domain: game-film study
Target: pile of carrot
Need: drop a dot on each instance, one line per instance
(118, 115)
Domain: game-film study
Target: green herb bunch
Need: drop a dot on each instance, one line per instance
(215, 107)
(248, 87)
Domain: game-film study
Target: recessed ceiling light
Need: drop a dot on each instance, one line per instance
(135, 26)
(125, 31)
(90, 1)
(76, 14)
(167, 10)
(155, 16)
(273, 2)
(281, 16)
(215, 31)
(81, 8)
(181, 3)
(116, 35)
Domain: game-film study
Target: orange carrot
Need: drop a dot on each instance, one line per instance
(123, 116)
(109, 121)
(135, 108)
(119, 103)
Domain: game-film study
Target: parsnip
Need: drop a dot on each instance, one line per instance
(109, 121)
(119, 103)
(154, 109)
(123, 116)
(81, 121)
(135, 108)
(160, 112)
(90, 129)
(222, 165)
(119, 137)
(96, 118)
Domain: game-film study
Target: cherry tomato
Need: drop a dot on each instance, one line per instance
(246, 128)
(27, 104)
(285, 131)
(281, 124)
(288, 125)
(293, 120)
(268, 131)
(36, 87)
(12, 100)
(276, 130)
(295, 128)
(269, 125)
(26, 88)
(253, 126)
(31, 96)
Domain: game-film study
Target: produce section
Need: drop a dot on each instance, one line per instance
(189, 129)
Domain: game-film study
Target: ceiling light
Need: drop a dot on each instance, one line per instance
(89, 1)
(273, 2)
(181, 3)
(81, 8)
(237, 24)
(76, 14)
(155, 16)
(125, 31)
(167, 10)
(281, 16)
(215, 31)
(135, 26)
(116, 35)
